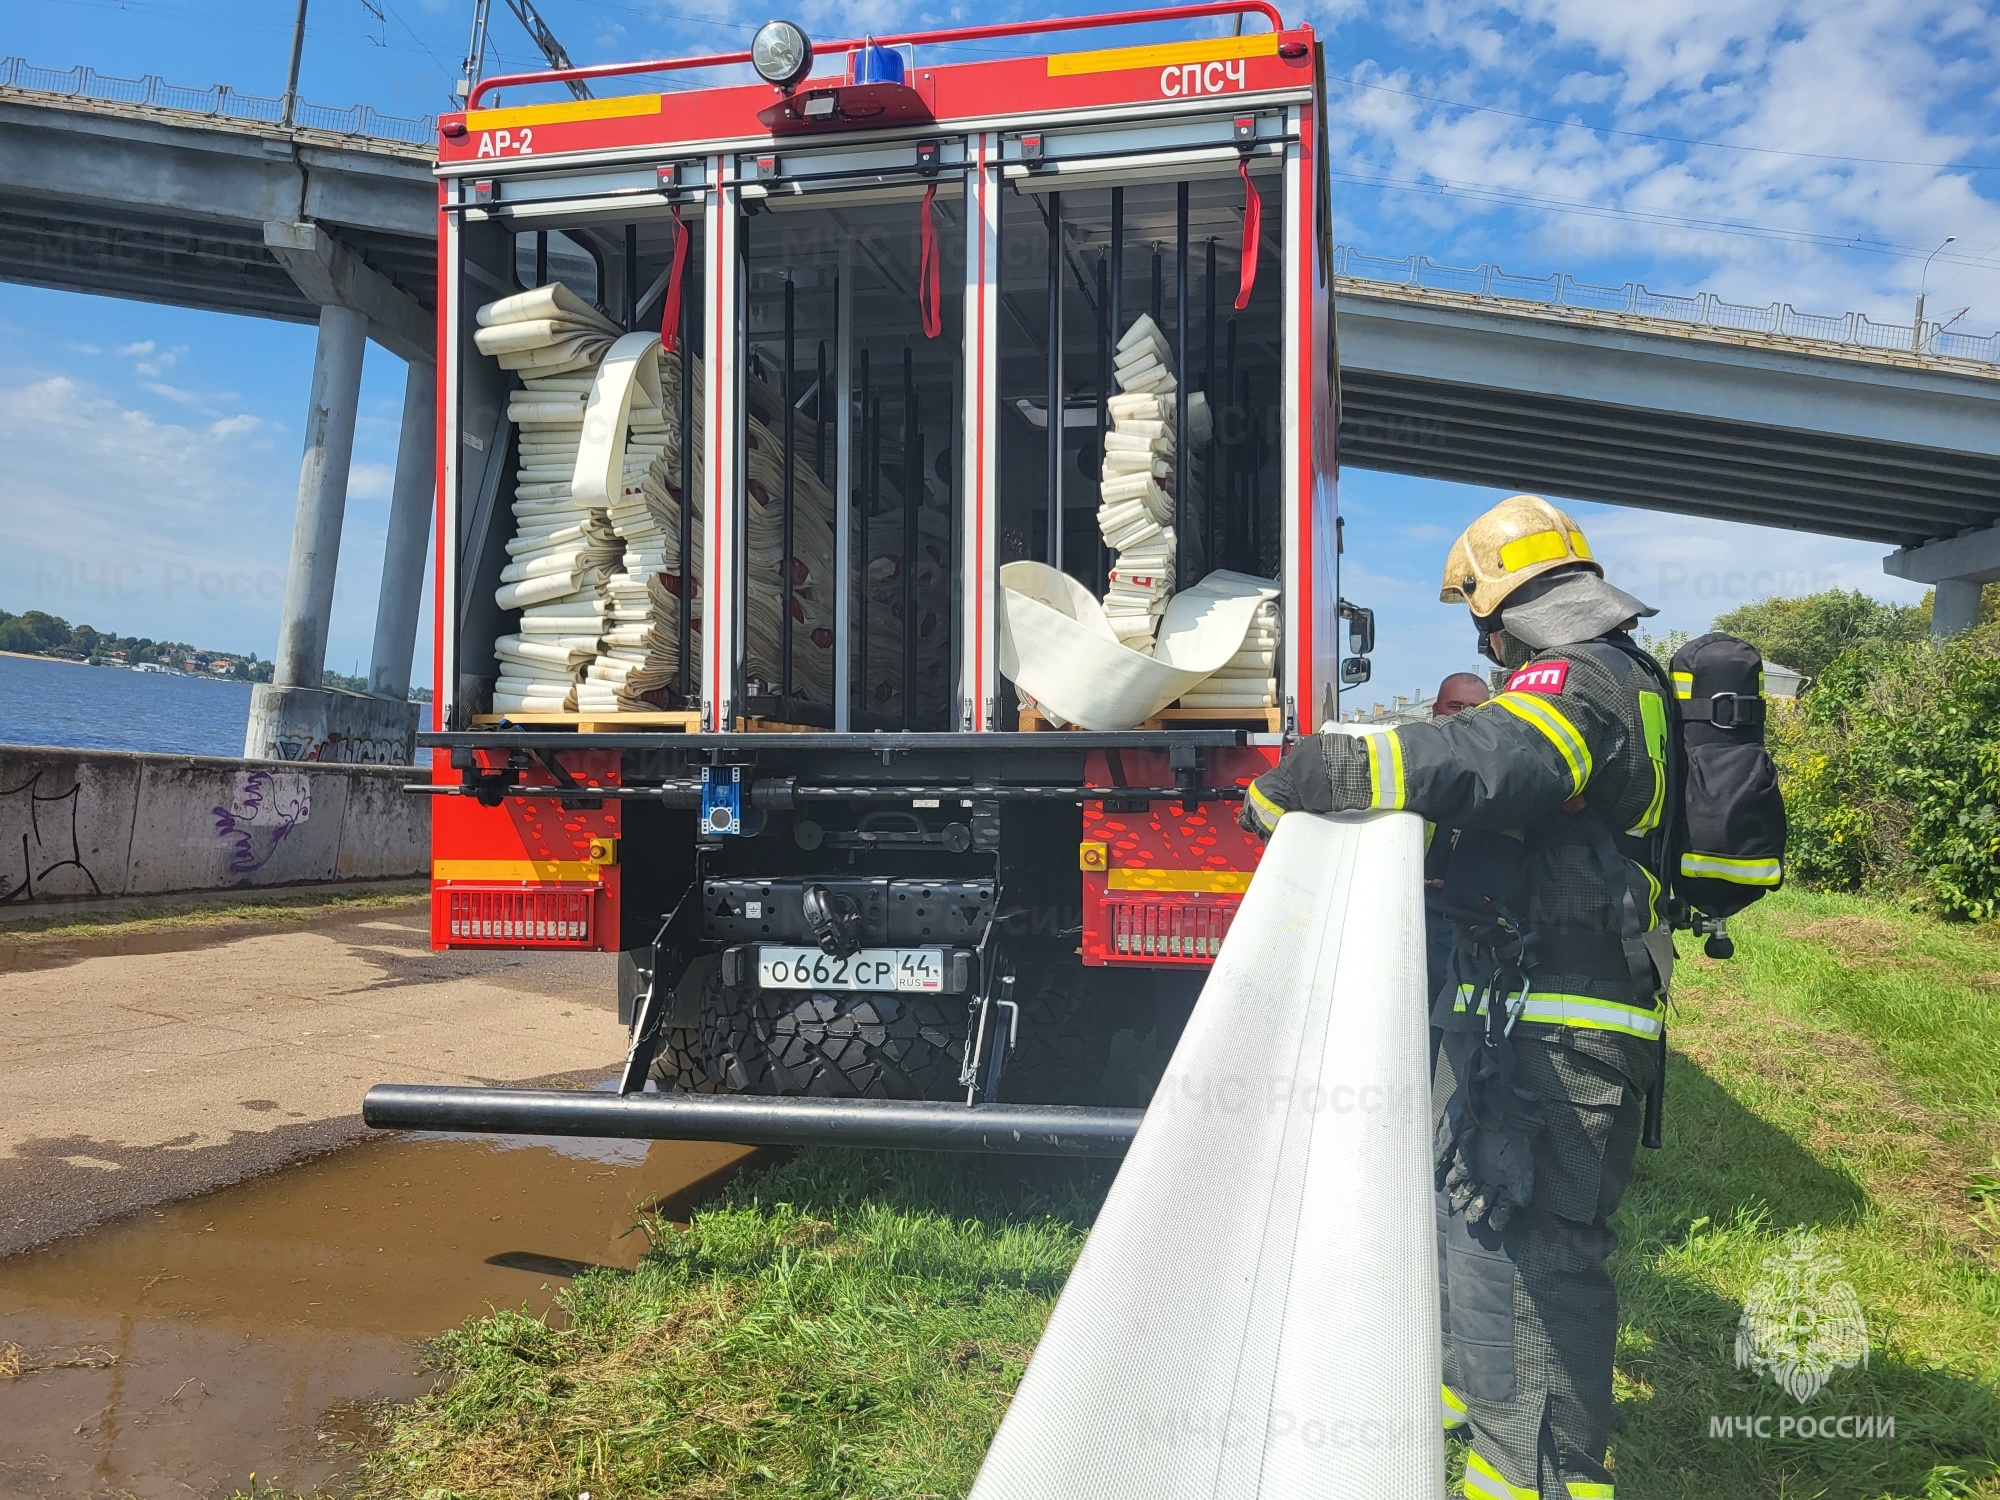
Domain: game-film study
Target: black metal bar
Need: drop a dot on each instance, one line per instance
(541, 257)
(1236, 524)
(1159, 304)
(1253, 499)
(1105, 387)
(912, 487)
(1182, 577)
(785, 794)
(791, 509)
(1054, 500)
(631, 276)
(1117, 300)
(1211, 543)
(684, 644)
(819, 410)
(866, 494)
(868, 742)
(1019, 1129)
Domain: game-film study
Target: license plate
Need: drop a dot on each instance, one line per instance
(919, 969)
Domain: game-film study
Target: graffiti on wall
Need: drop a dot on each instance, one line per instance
(265, 807)
(341, 749)
(38, 838)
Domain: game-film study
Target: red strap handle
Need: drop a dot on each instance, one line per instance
(928, 311)
(1253, 228)
(670, 315)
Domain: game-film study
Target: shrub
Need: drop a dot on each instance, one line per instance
(1891, 770)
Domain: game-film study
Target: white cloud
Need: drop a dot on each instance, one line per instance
(137, 351)
(370, 481)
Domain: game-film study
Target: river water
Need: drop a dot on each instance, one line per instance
(47, 702)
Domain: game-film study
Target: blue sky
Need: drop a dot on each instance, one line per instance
(1765, 150)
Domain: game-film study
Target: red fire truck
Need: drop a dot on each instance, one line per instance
(749, 392)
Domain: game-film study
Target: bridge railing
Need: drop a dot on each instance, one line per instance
(1703, 309)
(1255, 1313)
(219, 101)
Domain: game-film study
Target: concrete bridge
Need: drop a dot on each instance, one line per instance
(1689, 405)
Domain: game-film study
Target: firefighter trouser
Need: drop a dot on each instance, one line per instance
(1530, 1316)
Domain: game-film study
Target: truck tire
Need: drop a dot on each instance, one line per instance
(678, 1066)
(831, 1045)
(1065, 1034)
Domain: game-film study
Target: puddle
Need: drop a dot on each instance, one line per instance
(179, 1350)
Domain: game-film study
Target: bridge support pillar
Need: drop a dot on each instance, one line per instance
(293, 717)
(410, 507)
(1958, 568)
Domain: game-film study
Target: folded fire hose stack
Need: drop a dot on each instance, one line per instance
(1136, 482)
(563, 547)
(641, 653)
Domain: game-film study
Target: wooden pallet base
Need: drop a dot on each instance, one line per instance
(683, 720)
(1258, 720)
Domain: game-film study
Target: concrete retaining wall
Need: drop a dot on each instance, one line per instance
(84, 823)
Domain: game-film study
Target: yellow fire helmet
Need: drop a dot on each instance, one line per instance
(1521, 538)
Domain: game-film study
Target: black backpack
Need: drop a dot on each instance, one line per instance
(1729, 842)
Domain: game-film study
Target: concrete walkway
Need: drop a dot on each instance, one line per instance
(153, 1063)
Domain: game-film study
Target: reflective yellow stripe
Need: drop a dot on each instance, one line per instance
(514, 869)
(1653, 715)
(1483, 1482)
(1160, 54)
(1737, 871)
(1454, 1408)
(621, 107)
(1558, 730)
(1583, 1489)
(1683, 684)
(1585, 1012)
(1267, 811)
(1652, 894)
(1578, 545)
(1178, 880)
(1385, 770)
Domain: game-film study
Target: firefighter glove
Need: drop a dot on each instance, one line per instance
(1298, 783)
(1486, 1157)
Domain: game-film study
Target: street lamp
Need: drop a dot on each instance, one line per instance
(1917, 327)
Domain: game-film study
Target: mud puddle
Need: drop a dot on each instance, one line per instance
(175, 1352)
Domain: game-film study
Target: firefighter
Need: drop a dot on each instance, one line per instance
(1552, 1013)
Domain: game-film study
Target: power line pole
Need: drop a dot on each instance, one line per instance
(475, 51)
(292, 73)
(531, 19)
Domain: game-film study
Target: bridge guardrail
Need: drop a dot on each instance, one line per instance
(1255, 1313)
(218, 101)
(1703, 309)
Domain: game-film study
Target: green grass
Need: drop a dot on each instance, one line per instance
(172, 914)
(853, 1324)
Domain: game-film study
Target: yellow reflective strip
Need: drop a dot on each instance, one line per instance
(1653, 715)
(1589, 1014)
(1683, 684)
(1178, 880)
(1159, 54)
(1585, 1012)
(1652, 894)
(1484, 1481)
(1578, 545)
(1557, 729)
(1581, 1489)
(1378, 771)
(1399, 791)
(1269, 811)
(1454, 1405)
(1740, 871)
(513, 869)
(622, 107)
